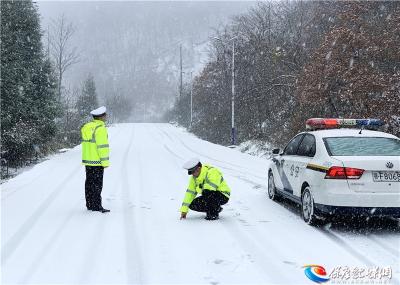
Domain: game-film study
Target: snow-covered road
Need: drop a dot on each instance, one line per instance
(47, 235)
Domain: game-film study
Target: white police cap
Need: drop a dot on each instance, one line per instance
(191, 164)
(99, 111)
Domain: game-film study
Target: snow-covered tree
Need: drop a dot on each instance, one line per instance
(299, 59)
(354, 73)
(87, 100)
(28, 101)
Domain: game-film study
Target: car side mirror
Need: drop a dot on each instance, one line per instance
(276, 151)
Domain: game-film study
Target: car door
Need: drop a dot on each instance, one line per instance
(305, 153)
(288, 162)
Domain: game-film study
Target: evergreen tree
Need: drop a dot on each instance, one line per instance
(28, 100)
(88, 99)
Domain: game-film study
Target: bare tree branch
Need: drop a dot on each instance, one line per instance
(64, 56)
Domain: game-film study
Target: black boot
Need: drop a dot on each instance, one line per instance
(211, 217)
(102, 210)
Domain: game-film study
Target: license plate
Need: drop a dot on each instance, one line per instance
(386, 176)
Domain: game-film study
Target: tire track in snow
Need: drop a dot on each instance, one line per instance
(173, 153)
(32, 269)
(97, 235)
(335, 238)
(395, 251)
(162, 142)
(392, 251)
(230, 169)
(47, 247)
(133, 261)
(163, 245)
(255, 184)
(92, 250)
(331, 236)
(342, 243)
(8, 194)
(264, 260)
(236, 166)
(11, 245)
(177, 158)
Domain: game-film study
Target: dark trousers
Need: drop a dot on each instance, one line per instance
(209, 202)
(93, 187)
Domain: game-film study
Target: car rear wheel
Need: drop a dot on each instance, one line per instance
(272, 194)
(308, 208)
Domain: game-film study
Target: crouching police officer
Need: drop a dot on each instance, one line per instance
(207, 181)
(95, 157)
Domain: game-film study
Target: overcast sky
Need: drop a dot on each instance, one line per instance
(121, 43)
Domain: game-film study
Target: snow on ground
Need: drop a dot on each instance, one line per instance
(47, 235)
(256, 148)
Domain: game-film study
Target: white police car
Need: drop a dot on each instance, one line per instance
(335, 170)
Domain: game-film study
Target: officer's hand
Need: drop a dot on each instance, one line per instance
(183, 215)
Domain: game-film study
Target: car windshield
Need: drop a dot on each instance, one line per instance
(362, 146)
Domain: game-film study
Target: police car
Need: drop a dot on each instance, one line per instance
(333, 169)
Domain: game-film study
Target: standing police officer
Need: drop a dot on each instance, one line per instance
(95, 157)
(207, 181)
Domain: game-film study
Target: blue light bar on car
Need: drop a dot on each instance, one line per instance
(369, 122)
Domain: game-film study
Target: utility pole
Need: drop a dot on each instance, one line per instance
(48, 42)
(233, 130)
(144, 111)
(191, 98)
(180, 85)
(233, 93)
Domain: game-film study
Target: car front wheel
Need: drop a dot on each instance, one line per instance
(308, 207)
(271, 187)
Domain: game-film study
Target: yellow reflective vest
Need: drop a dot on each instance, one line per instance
(95, 148)
(210, 178)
